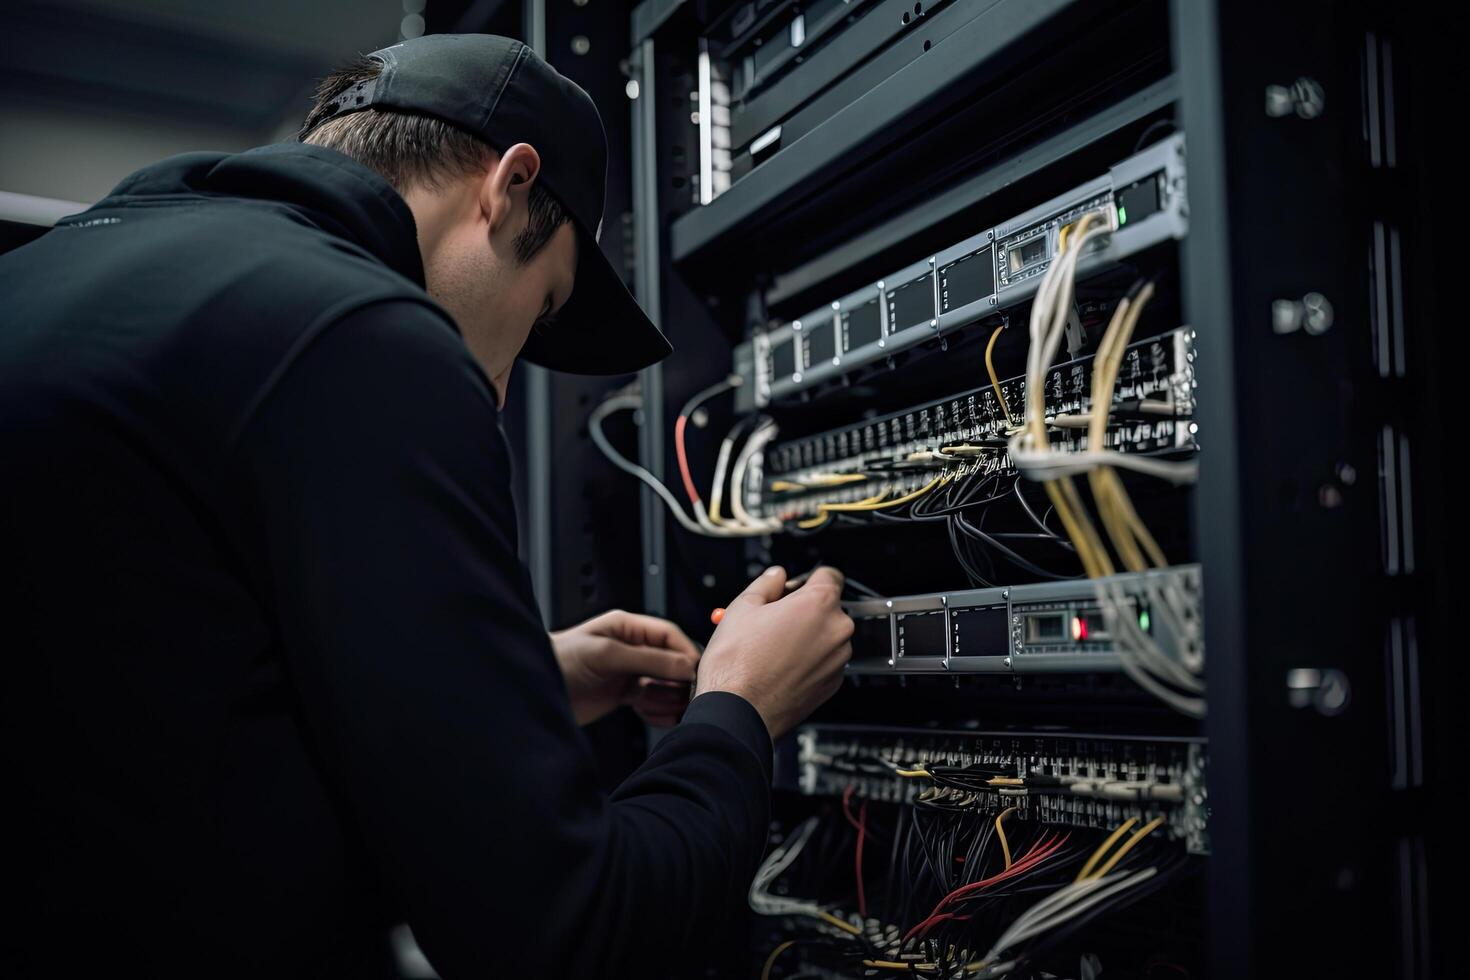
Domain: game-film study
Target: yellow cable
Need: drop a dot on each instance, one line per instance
(898, 965)
(994, 378)
(771, 960)
(1068, 502)
(825, 511)
(1138, 835)
(1103, 848)
(836, 479)
(1155, 553)
(1005, 781)
(1104, 380)
(863, 505)
(1005, 845)
(911, 773)
(1123, 525)
(823, 517)
(785, 486)
(845, 926)
(1063, 492)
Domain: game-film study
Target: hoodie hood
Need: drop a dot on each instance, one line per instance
(324, 187)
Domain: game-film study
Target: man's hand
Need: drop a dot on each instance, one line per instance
(623, 658)
(782, 653)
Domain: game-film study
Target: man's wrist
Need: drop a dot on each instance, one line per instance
(736, 715)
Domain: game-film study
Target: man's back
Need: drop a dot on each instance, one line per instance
(276, 670)
(145, 706)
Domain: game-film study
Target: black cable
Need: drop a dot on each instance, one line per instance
(976, 579)
(1014, 558)
(704, 395)
(1155, 126)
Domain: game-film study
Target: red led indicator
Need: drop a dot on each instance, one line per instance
(1079, 628)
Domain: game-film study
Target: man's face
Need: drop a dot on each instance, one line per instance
(472, 270)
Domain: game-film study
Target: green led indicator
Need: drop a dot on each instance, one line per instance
(1122, 215)
(1143, 620)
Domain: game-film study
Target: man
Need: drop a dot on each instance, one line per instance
(275, 676)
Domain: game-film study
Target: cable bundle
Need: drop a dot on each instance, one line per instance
(985, 870)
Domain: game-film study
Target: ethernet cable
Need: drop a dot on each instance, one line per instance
(1000, 396)
(759, 439)
(629, 402)
(762, 902)
(1031, 453)
(825, 511)
(682, 421)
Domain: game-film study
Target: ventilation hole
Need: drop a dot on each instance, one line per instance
(927, 44)
(918, 9)
(359, 100)
(905, 18)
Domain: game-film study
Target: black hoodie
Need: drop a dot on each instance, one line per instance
(274, 674)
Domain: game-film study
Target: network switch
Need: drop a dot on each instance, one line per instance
(1152, 412)
(1041, 628)
(1060, 779)
(1141, 201)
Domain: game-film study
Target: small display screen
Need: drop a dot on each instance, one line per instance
(1140, 200)
(922, 634)
(872, 639)
(783, 359)
(911, 304)
(821, 343)
(1024, 256)
(962, 283)
(981, 632)
(1047, 626)
(863, 325)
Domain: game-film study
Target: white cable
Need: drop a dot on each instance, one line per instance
(717, 491)
(1145, 648)
(594, 428)
(1071, 901)
(630, 402)
(763, 435)
(1048, 464)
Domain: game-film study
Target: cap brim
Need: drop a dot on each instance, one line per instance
(600, 329)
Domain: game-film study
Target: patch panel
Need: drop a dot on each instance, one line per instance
(1158, 371)
(1080, 780)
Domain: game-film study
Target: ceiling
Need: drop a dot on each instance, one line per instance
(249, 66)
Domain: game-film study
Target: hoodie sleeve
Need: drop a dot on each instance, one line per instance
(429, 688)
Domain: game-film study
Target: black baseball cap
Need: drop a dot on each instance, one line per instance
(499, 90)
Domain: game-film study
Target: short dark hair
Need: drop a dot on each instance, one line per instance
(409, 150)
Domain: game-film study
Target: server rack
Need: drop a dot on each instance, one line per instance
(1310, 275)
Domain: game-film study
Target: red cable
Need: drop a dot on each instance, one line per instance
(846, 799)
(1038, 853)
(860, 824)
(679, 425)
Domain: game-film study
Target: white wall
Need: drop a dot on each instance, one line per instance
(79, 154)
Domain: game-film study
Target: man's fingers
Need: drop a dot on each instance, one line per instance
(825, 576)
(662, 692)
(769, 586)
(629, 660)
(651, 631)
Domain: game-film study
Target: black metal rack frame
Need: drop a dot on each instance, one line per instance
(1313, 275)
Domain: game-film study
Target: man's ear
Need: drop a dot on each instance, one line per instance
(507, 186)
